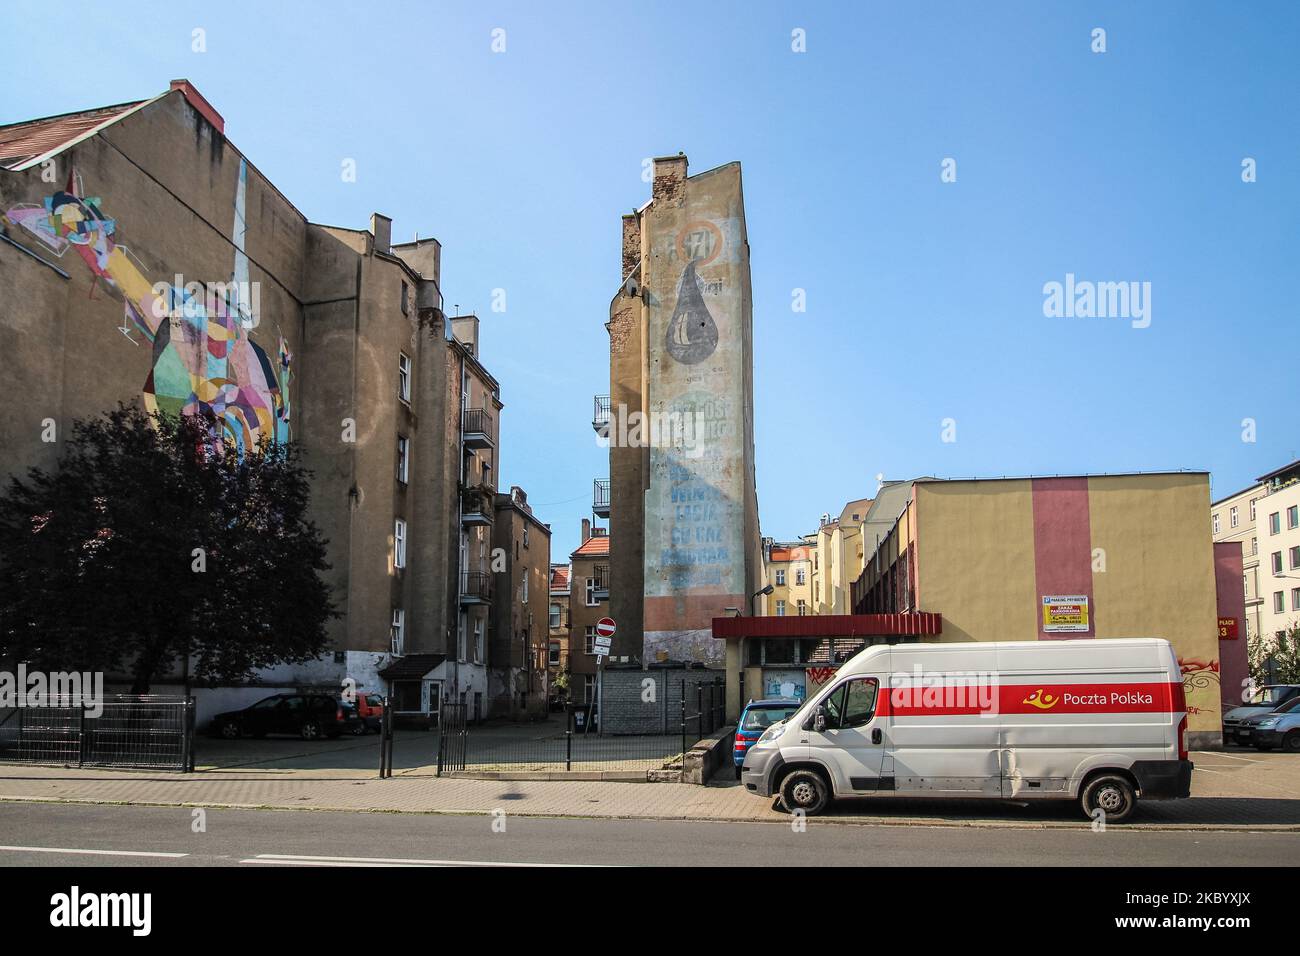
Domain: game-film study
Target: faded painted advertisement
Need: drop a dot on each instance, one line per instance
(698, 329)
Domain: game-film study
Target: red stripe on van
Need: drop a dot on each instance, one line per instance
(1158, 698)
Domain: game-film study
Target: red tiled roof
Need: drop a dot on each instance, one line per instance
(595, 546)
(800, 553)
(559, 577)
(23, 141)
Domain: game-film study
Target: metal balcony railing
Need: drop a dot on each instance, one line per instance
(475, 587)
(600, 497)
(600, 582)
(476, 428)
(600, 414)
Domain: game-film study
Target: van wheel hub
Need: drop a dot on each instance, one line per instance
(804, 794)
(1110, 799)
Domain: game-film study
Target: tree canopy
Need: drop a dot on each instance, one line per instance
(150, 541)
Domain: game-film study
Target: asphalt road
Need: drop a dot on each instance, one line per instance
(46, 834)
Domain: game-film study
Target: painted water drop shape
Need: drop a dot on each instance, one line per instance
(692, 333)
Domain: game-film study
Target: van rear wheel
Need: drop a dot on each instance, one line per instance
(1110, 794)
(805, 790)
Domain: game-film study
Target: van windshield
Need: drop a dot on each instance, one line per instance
(760, 718)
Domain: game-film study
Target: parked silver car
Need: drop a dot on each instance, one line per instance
(1279, 729)
(1244, 730)
(1265, 700)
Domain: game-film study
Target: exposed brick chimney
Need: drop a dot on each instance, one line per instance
(201, 105)
(631, 243)
(586, 530)
(670, 174)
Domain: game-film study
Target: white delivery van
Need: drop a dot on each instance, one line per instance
(1098, 721)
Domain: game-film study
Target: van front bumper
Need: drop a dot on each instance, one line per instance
(759, 770)
(1164, 779)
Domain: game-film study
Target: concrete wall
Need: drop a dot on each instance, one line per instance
(649, 701)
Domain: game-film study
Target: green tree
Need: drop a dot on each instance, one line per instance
(150, 542)
(1275, 660)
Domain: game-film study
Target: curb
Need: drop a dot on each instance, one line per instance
(1081, 826)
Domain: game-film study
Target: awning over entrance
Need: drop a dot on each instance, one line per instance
(916, 624)
(411, 667)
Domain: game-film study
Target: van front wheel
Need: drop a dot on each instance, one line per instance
(1109, 797)
(805, 790)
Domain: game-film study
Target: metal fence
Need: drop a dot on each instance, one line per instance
(575, 741)
(146, 731)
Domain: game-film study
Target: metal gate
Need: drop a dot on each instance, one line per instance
(452, 733)
(153, 732)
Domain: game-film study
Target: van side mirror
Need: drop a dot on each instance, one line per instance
(819, 719)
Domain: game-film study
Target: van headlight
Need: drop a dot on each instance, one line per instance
(772, 733)
(1268, 722)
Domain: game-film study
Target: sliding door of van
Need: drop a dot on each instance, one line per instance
(850, 745)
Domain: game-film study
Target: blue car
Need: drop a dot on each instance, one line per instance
(757, 716)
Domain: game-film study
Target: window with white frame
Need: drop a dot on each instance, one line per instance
(803, 607)
(589, 639)
(397, 632)
(588, 688)
(1275, 523)
(555, 615)
(1252, 508)
(800, 576)
(478, 639)
(404, 376)
(1233, 517)
(591, 593)
(553, 655)
(780, 577)
(525, 536)
(399, 543)
(780, 609)
(1216, 523)
(403, 458)
(524, 599)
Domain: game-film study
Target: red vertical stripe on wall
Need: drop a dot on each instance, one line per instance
(1062, 547)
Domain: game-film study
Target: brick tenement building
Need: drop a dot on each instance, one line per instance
(682, 501)
(588, 602)
(520, 604)
(335, 338)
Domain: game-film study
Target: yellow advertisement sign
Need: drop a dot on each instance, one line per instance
(1065, 613)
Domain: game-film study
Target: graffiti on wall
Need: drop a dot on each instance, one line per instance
(1198, 677)
(204, 362)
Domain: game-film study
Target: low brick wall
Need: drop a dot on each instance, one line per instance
(627, 711)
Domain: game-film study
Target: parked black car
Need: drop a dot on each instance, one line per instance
(309, 716)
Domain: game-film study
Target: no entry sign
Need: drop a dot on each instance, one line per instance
(605, 627)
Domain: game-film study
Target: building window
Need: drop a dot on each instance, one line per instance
(780, 609)
(589, 640)
(780, 577)
(399, 543)
(800, 576)
(406, 299)
(1252, 509)
(404, 377)
(525, 536)
(525, 599)
(1295, 599)
(553, 654)
(1216, 523)
(1233, 517)
(555, 615)
(1254, 546)
(403, 458)
(591, 592)
(803, 608)
(1292, 517)
(1274, 523)
(1277, 562)
(478, 639)
(588, 687)
(1295, 557)
(1279, 605)
(397, 632)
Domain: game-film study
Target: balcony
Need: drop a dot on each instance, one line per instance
(600, 415)
(476, 505)
(600, 582)
(476, 429)
(475, 587)
(600, 497)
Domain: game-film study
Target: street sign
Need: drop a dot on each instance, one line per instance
(604, 642)
(601, 651)
(605, 627)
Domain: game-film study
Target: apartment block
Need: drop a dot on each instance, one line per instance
(557, 652)
(788, 569)
(589, 601)
(519, 628)
(146, 260)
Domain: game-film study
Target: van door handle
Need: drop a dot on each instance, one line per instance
(875, 735)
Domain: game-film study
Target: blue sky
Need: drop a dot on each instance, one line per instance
(924, 298)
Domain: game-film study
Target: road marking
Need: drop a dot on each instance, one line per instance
(64, 849)
(296, 860)
(1233, 757)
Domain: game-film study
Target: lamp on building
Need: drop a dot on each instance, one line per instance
(764, 591)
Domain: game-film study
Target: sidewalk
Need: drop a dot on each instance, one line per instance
(1247, 791)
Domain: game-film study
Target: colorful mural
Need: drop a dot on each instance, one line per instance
(204, 361)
